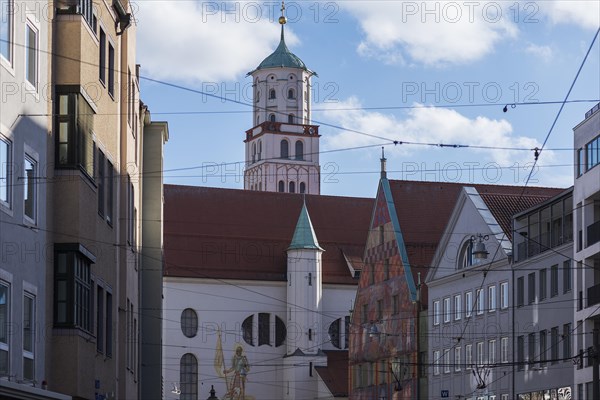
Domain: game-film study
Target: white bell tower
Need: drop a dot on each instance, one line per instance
(282, 149)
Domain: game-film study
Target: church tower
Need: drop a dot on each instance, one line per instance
(282, 149)
(304, 314)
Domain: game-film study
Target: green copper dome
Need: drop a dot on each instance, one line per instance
(282, 57)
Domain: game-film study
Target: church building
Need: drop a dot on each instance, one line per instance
(259, 283)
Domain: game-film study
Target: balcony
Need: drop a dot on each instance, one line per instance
(593, 295)
(593, 233)
(281, 127)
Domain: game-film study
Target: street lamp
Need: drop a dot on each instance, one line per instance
(479, 251)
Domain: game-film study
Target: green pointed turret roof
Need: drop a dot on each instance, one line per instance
(282, 57)
(304, 235)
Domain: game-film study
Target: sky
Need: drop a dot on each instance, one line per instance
(420, 73)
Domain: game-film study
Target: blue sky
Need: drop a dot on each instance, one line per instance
(421, 72)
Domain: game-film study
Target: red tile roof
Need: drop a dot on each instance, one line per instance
(424, 208)
(241, 234)
(335, 374)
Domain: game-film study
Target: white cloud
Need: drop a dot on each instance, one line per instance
(432, 33)
(543, 52)
(204, 41)
(584, 13)
(430, 125)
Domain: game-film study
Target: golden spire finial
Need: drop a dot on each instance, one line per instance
(282, 19)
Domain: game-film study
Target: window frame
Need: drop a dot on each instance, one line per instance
(468, 304)
(457, 307)
(447, 310)
(492, 351)
(504, 295)
(436, 362)
(111, 68)
(492, 298)
(457, 351)
(29, 354)
(30, 189)
(554, 281)
(31, 28)
(436, 312)
(6, 177)
(504, 349)
(9, 19)
(480, 298)
(5, 334)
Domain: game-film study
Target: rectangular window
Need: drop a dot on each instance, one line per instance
(468, 304)
(129, 97)
(457, 358)
(554, 280)
(100, 320)
(29, 187)
(31, 55)
(531, 347)
(492, 298)
(593, 153)
(109, 324)
(520, 291)
(102, 57)
(436, 312)
(100, 182)
(386, 269)
(504, 350)
(469, 356)
(457, 306)
(446, 361)
(447, 310)
(531, 288)
(111, 70)
(543, 281)
(543, 346)
(492, 352)
(395, 304)
(566, 338)
(72, 286)
(264, 329)
(554, 345)
(130, 213)
(580, 162)
(4, 327)
(480, 355)
(480, 301)
(504, 295)
(379, 310)
(365, 314)
(109, 191)
(74, 119)
(5, 171)
(28, 337)
(436, 362)
(567, 276)
(520, 353)
(6, 26)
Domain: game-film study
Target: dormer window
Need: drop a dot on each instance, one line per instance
(272, 94)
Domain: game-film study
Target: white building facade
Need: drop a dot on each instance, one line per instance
(586, 199)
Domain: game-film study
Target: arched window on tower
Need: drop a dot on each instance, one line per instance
(292, 187)
(285, 149)
(257, 96)
(272, 117)
(299, 150)
(291, 94)
(272, 94)
(281, 186)
(291, 119)
(257, 120)
(302, 187)
(259, 150)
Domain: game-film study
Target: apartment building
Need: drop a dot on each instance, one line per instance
(586, 283)
(470, 283)
(24, 123)
(543, 299)
(95, 201)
